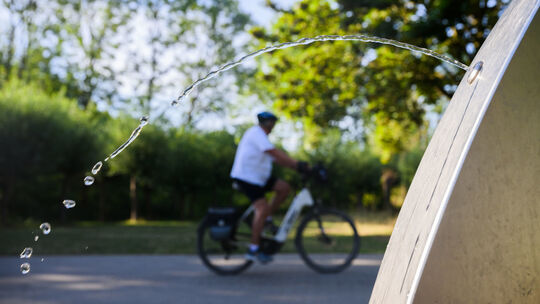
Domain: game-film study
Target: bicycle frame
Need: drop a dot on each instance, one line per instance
(301, 200)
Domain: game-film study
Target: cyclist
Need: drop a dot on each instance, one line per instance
(252, 175)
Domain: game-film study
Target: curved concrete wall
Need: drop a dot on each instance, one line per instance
(469, 230)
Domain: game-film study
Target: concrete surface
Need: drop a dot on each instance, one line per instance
(468, 231)
(179, 279)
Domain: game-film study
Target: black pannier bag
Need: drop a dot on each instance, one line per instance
(222, 222)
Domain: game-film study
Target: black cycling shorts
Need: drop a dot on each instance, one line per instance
(252, 191)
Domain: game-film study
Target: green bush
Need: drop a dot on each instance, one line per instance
(47, 145)
(50, 144)
(352, 172)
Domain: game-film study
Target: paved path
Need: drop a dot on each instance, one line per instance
(179, 279)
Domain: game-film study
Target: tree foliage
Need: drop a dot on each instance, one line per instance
(389, 90)
(123, 55)
(62, 60)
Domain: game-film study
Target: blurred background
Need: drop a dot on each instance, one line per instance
(75, 76)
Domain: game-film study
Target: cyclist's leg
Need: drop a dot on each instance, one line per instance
(282, 190)
(262, 210)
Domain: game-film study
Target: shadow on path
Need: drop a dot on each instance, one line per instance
(179, 279)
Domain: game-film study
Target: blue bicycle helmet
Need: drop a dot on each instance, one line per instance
(266, 116)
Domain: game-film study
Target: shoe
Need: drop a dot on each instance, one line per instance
(260, 256)
(264, 258)
(251, 256)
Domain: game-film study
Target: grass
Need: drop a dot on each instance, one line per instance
(153, 237)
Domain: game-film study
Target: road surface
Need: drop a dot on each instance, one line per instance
(178, 279)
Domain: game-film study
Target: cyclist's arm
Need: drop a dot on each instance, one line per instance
(282, 159)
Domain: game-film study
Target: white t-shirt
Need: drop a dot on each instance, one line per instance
(251, 163)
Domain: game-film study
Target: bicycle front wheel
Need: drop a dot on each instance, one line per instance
(327, 240)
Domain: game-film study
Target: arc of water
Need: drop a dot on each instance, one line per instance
(284, 45)
(307, 40)
(131, 138)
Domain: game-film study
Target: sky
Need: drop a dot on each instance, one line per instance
(259, 12)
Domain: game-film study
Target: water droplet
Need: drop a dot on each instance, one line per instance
(25, 268)
(36, 238)
(86, 248)
(89, 180)
(97, 167)
(45, 228)
(42, 259)
(69, 203)
(144, 121)
(26, 253)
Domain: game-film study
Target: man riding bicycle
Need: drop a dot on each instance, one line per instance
(252, 175)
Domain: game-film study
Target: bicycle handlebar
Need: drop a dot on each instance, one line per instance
(318, 172)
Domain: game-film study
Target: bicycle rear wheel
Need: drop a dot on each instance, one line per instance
(327, 240)
(224, 257)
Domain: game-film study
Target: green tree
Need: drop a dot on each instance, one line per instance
(315, 84)
(89, 33)
(23, 54)
(144, 162)
(184, 39)
(353, 171)
(67, 44)
(223, 22)
(174, 28)
(388, 89)
(19, 28)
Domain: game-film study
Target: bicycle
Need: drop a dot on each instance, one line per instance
(326, 239)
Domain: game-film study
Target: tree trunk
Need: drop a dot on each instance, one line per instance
(11, 50)
(388, 181)
(24, 60)
(133, 197)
